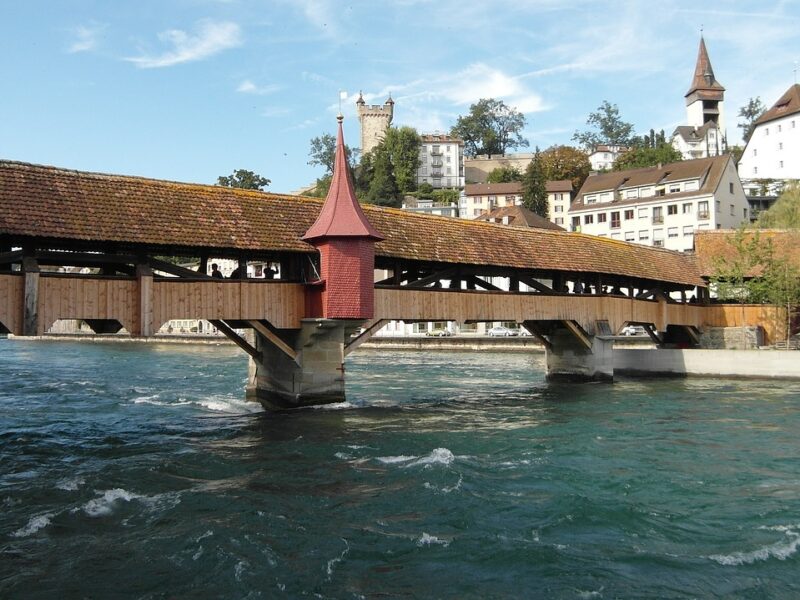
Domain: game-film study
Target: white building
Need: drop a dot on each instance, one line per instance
(773, 151)
(427, 206)
(704, 134)
(661, 206)
(559, 199)
(603, 156)
(441, 161)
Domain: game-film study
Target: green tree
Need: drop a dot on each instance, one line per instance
(402, 146)
(491, 127)
(244, 179)
(504, 175)
(750, 112)
(609, 126)
(323, 152)
(636, 158)
(425, 190)
(785, 213)
(534, 190)
(565, 162)
(382, 186)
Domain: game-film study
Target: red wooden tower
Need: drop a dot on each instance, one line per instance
(346, 243)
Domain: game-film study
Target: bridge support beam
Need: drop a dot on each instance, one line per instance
(579, 357)
(314, 376)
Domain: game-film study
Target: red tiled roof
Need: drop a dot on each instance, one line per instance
(58, 204)
(562, 185)
(704, 80)
(518, 216)
(788, 104)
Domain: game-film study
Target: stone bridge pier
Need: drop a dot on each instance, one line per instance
(309, 370)
(573, 355)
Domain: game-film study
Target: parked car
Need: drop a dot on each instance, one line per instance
(501, 331)
(438, 333)
(633, 330)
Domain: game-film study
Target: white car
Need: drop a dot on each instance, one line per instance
(633, 330)
(501, 331)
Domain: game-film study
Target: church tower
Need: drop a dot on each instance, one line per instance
(375, 120)
(704, 100)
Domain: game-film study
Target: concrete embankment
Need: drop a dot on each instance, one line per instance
(778, 364)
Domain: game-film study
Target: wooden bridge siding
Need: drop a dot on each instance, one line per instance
(282, 304)
(771, 318)
(429, 305)
(96, 298)
(11, 298)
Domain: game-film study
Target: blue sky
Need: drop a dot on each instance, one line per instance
(191, 89)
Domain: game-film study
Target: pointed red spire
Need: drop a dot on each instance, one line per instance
(703, 72)
(341, 215)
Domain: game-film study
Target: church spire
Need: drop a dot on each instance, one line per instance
(704, 80)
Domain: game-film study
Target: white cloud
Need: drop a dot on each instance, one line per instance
(85, 38)
(248, 87)
(211, 38)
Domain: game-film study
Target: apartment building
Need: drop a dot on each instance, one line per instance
(441, 161)
(480, 198)
(661, 206)
(559, 199)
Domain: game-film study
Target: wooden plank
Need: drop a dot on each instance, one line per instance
(274, 339)
(576, 331)
(369, 330)
(237, 339)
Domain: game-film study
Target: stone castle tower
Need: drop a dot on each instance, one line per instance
(375, 120)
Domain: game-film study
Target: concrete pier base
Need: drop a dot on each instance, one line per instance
(314, 376)
(569, 359)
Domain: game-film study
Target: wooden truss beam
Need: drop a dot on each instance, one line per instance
(236, 339)
(538, 333)
(274, 339)
(579, 333)
(370, 329)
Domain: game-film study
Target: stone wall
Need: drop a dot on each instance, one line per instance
(732, 338)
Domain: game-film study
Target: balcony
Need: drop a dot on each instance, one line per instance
(658, 220)
(437, 164)
(436, 152)
(703, 214)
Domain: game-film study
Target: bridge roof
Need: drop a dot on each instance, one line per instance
(87, 210)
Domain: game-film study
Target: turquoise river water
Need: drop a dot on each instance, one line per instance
(138, 471)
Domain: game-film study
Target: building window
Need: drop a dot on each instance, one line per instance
(780, 146)
(730, 187)
(615, 220)
(559, 220)
(672, 232)
(755, 170)
(588, 219)
(688, 230)
(780, 127)
(780, 164)
(755, 151)
(733, 209)
(576, 223)
(628, 214)
(744, 213)
(687, 208)
(766, 130)
(672, 209)
(719, 204)
(644, 235)
(674, 189)
(630, 236)
(642, 213)
(558, 208)
(702, 209)
(632, 194)
(602, 217)
(591, 199)
(658, 215)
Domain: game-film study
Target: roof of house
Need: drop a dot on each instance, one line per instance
(689, 133)
(91, 210)
(708, 170)
(704, 80)
(610, 148)
(486, 189)
(788, 104)
(518, 216)
(560, 185)
(440, 137)
(712, 245)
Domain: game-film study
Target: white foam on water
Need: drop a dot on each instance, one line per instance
(229, 405)
(343, 456)
(431, 540)
(239, 569)
(585, 595)
(197, 554)
(104, 505)
(439, 456)
(70, 485)
(35, 524)
(445, 489)
(780, 550)
(334, 561)
(333, 406)
(391, 460)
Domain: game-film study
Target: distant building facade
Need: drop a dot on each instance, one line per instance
(441, 161)
(704, 134)
(662, 206)
(375, 120)
(603, 156)
(481, 198)
(559, 199)
(427, 206)
(477, 168)
(773, 150)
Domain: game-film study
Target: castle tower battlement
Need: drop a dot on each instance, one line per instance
(375, 120)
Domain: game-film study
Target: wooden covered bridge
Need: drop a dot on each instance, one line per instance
(343, 269)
